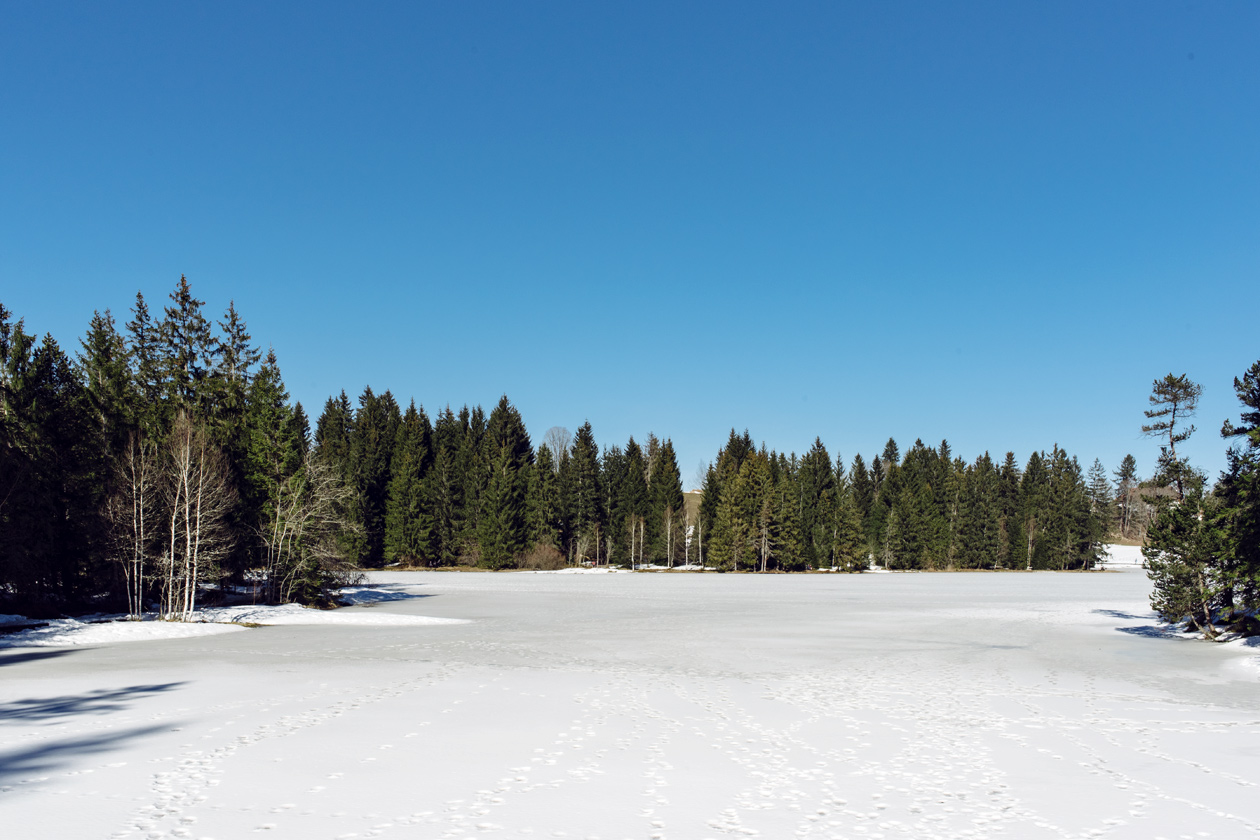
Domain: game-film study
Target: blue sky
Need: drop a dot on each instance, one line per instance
(994, 223)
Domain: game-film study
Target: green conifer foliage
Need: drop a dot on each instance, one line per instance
(371, 451)
(410, 526)
(145, 351)
(1183, 549)
(104, 366)
(189, 351)
(543, 500)
(1239, 491)
(504, 528)
(584, 503)
(786, 548)
(445, 486)
(665, 534)
(817, 483)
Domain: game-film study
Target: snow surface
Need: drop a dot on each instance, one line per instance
(1017, 705)
(208, 622)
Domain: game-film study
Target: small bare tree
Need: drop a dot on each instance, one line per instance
(558, 440)
(131, 510)
(303, 558)
(199, 497)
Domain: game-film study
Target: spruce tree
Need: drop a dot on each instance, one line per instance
(1128, 500)
(584, 505)
(410, 528)
(665, 537)
(371, 451)
(504, 528)
(189, 351)
(1239, 492)
(543, 500)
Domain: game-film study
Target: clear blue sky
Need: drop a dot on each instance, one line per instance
(994, 223)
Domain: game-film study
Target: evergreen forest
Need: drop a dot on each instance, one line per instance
(162, 464)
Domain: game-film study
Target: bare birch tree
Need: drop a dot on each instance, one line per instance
(199, 497)
(303, 557)
(132, 511)
(558, 440)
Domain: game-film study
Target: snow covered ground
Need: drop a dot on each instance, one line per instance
(647, 706)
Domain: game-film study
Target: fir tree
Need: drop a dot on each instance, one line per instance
(410, 527)
(543, 501)
(1239, 493)
(503, 529)
(371, 451)
(666, 512)
(1128, 500)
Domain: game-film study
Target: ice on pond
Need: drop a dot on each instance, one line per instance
(650, 705)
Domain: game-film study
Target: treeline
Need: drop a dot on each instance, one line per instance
(164, 463)
(160, 465)
(927, 510)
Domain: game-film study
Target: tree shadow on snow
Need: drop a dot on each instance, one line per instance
(19, 764)
(377, 593)
(1120, 614)
(32, 655)
(96, 702)
(1150, 631)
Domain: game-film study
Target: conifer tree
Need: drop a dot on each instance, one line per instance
(584, 503)
(632, 502)
(145, 351)
(1174, 399)
(504, 528)
(1010, 512)
(1033, 492)
(104, 366)
(1102, 505)
(666, 513)
(787, 536)
(189, 353)
(850, 549)
(445, 486)
(410, 528)
(543, 501)
(1128, 500)
(1239, 492)
(371, 451)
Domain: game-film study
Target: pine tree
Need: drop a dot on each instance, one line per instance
(1174, 399)
(371, 451)
(1101, 503)
(1128, 500)
(1010, 512)
(104, 365)
(504, 527)
(787, 537)
(1033, 492)
(543, 501)
(189, 352)
(1183, 550)
(632, 502)
(410, 527)
(817, 483)
(584, 507)
(445, 486)
(145, 351)
(849, 549)
(665, 537)
(1239, 492)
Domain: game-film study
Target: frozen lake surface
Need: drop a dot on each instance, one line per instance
(650, 706)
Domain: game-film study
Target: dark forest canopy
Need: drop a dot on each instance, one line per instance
(164, 461)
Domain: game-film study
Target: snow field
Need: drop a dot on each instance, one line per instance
(651, 706)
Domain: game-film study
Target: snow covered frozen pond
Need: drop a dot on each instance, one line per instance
(650, 706)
